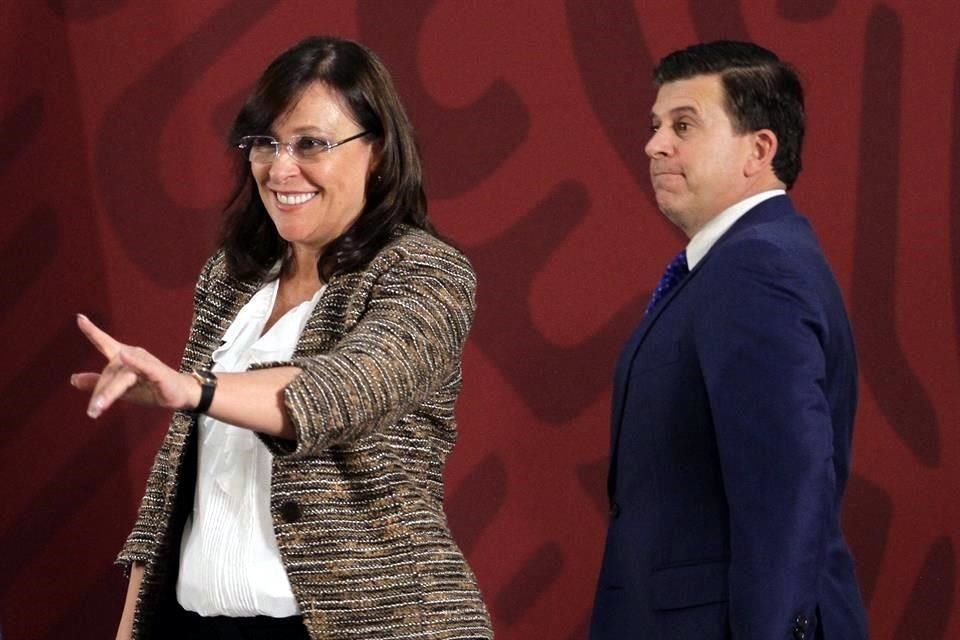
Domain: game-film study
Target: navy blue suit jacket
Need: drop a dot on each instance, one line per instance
(732, 419)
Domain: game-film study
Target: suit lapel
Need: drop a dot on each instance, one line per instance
(626, 360)
(224, 299)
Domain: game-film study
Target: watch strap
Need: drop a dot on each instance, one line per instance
(208, 384)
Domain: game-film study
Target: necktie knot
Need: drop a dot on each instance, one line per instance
(673, 274)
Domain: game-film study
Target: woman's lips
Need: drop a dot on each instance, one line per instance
(294, 198)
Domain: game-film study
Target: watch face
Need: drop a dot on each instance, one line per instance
(205, 376)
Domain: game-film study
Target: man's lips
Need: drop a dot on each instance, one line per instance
(657, 173)
(666, 180)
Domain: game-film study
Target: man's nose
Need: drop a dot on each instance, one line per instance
(659, 144)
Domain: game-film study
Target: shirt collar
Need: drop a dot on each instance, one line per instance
(703, 240)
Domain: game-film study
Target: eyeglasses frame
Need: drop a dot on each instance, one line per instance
(245, 145)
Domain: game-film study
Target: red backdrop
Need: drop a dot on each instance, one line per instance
(532, 117)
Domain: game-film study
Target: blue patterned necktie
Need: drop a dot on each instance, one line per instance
(673, 274)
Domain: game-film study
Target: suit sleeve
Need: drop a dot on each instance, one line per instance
(761, 345)
(407, 342)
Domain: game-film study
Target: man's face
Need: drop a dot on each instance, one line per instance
(697, 160)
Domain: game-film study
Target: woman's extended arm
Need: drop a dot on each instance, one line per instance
(409, 339)
(253, 399)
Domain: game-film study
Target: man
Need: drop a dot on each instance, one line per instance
(734, 400)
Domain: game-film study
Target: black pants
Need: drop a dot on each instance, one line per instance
(190, 626)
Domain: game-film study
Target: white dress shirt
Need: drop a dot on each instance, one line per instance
(229, 561)
(703, 240)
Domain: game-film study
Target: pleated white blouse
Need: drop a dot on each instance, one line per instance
(229, 561)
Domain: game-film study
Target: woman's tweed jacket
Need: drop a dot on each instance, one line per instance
(357, 500)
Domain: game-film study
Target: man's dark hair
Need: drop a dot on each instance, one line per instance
(394, 192)
(762, 92)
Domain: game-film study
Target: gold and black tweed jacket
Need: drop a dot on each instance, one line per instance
(357, 500)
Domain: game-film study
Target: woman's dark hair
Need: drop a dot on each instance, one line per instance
(762, 92)
(394, 191)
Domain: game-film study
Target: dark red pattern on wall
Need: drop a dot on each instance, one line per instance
(532, 118)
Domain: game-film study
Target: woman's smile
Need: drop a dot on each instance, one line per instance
(294, 198)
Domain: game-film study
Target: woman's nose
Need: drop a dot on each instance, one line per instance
(284, 165)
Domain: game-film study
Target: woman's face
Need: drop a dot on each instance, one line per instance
(313, 203)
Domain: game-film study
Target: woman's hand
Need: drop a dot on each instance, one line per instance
(133, 374)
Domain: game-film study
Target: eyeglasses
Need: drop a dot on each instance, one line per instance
(266, 149)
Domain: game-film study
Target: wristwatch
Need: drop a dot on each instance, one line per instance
(208, 384)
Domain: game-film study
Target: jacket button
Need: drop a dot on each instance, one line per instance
(290, 511)
(614, 511)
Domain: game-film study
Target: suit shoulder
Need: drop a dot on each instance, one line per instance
(753, 251)
(420, 247)
(780, 246)
(216, 270)
(216, 265)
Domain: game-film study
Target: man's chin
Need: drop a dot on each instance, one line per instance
(679, 217)
(668, 207)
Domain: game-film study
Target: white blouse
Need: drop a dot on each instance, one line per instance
(229, 561)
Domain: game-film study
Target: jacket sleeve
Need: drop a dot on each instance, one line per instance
(761, 345)
(407, 341)
(150, 525)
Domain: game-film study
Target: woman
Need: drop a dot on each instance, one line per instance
(298, 492)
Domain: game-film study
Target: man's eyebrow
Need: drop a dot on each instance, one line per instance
(678, 111)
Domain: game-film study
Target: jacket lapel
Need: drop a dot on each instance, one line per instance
(625, 365)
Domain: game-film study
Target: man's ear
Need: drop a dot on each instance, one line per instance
(763, 148)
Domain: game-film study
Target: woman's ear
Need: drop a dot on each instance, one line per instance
(376, 155)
